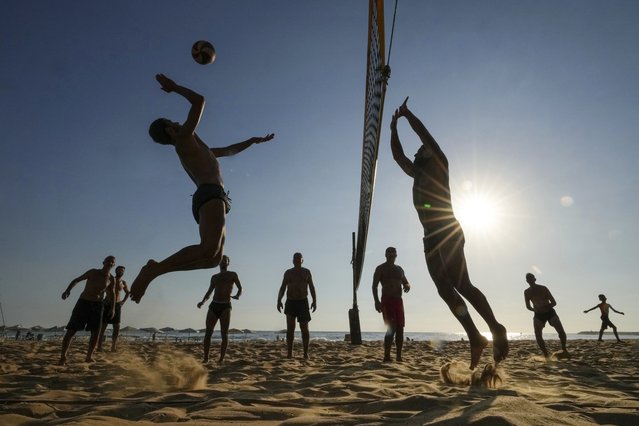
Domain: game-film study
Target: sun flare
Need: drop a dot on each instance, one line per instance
(478, 211)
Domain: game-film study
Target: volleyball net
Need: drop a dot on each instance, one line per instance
(377, 74)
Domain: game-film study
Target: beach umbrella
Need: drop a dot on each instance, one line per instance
(167, 329)
(128, 329)
(16, 327)
(152, 330)
(37, 328)
(235, 331)
(247, 331)
(188, 331)
(55, 329)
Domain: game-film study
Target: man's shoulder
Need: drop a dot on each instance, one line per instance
(536, 288)
(97, 273)
(218, 275)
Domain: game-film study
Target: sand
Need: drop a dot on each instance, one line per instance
(340, 384)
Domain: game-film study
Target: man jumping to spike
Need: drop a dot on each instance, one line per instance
(210, 201)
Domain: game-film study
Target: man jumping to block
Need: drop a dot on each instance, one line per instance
(210, 201)
(444, 237)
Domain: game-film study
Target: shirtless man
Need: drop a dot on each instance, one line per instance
(392, 306)
(297, 282)
(543, 306)
(120, 285)
(605, 320)
(220, 307)
(210, 201)
(444, 237)
(88, 309)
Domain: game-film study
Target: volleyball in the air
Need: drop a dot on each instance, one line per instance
(203, 52)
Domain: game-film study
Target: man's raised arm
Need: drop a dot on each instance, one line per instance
(196, 100)
(396, 148)
(419, 128)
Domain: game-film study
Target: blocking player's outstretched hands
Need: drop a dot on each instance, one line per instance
(403, 108)
(399, 112)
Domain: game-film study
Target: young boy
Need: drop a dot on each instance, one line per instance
(605, 321)
(210, 201)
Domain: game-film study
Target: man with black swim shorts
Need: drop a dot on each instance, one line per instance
(605, 317)
(220, 308)
(444, 238)
(87, 312)
(115, 306)
(394, 282)
(210, 202)
(297, 283)
(543, 304)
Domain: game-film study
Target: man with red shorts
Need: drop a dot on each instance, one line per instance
(393, 282)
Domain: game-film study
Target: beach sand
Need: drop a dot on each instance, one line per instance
(340, 384)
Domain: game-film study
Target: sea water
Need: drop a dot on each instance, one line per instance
(331, 336)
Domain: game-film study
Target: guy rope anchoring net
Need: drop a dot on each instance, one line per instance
(377, 75)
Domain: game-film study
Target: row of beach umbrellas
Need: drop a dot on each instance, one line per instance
(19, 327)
(127, 329)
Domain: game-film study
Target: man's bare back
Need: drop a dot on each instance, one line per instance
(540, 297)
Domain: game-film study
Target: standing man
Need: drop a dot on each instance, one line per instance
(543, 305)
(444, 238)
(210, 201)
(297, 282)
(109, 304)
(605, 320)
(392, 306)
(220, 307)
(88, 309)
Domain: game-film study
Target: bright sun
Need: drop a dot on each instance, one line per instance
(477, 211)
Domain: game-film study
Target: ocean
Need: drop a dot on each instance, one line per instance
(334, 336)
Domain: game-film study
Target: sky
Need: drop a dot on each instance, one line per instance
(535, 104)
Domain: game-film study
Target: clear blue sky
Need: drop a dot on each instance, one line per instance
(535, 103)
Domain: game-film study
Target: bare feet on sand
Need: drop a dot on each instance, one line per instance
(476, 348)
(142, 281)
(500, 343)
